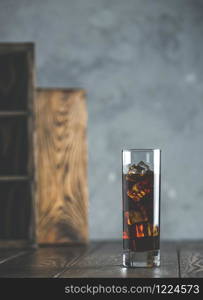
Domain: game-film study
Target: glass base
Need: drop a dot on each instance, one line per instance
(147, 259)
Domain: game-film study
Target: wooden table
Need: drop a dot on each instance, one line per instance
(100, 259)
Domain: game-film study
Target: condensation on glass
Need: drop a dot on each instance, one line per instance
(141, 182)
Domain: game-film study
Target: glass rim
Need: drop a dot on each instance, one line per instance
(144, 149)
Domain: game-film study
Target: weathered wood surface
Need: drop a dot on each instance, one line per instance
(191, 259)
(61, 166)
(106, 261)
(100, 259)
(9, 254)
(16, 139)
(44, 262)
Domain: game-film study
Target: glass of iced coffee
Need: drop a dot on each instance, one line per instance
(141, 182)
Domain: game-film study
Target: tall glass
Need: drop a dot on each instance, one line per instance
(141, 182)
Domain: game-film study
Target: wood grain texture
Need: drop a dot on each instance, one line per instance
(10, 254)
(99, 259)
(61, 166)
(106, 261)
(191, 259)
(44, 262)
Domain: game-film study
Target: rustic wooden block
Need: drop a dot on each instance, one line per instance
(17, 208)
(61, 166)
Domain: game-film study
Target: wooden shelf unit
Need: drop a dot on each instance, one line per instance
(17, 208)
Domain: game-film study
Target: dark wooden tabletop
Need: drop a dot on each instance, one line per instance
(100, 259)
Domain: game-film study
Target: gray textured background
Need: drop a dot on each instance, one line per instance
(142, 64)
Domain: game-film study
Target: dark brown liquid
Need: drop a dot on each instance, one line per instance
(139, 232)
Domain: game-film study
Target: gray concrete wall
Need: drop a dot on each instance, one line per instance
(141, 62)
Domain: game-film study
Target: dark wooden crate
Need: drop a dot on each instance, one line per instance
(16, 144)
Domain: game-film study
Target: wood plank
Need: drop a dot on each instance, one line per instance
(14, 178)
(106, 261)
(10, 254)
(61, 166)
(30, 130)
(4, 114)
(44, 262)
(191, 259)
(11, 244)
